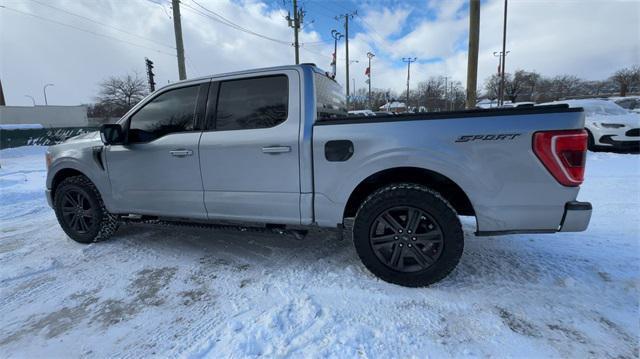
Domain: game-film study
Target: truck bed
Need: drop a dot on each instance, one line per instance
(486, 152)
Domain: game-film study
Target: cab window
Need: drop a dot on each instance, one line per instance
(170, 112)
(252, 103)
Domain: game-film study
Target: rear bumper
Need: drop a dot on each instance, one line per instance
(576, 216)
(632, 145)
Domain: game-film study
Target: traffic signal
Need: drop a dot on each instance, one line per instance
(152, 84)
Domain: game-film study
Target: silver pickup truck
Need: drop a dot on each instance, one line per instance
(276, 147)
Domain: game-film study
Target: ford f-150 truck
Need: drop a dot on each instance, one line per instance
(276, 147)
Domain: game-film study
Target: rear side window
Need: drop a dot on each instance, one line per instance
(330, 99)
(252, 103)
(170, 112)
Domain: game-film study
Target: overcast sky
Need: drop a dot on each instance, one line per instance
(587, 38)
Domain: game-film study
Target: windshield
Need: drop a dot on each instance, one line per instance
(330, 99)
(603, 108)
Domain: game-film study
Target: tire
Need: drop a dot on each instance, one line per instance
(77, 202)
(427, 254)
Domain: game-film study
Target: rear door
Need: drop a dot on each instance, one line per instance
(249, 151)
(158, 171)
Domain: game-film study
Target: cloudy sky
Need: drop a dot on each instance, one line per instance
(74, 44)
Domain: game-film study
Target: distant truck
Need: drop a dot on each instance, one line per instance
(276, 147)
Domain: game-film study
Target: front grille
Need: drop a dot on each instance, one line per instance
(634, 132)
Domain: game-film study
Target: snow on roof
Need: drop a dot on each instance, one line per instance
(21, 126)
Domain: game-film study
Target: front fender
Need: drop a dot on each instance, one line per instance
(82, 161)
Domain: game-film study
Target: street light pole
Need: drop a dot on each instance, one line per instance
(408, 60)
(44, 90)
(32, 99)
(501, 55)
(370, 55)
(504, 53)
(336, 36)
(355, 93)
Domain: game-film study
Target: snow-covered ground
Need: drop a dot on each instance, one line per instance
(186, 292)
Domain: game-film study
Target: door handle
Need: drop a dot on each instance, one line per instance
(276, 149)
(181, 153)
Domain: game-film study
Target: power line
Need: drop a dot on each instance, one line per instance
(87, 31)
(161, 6)
(372, 28)
(102, 23)
(221, 19)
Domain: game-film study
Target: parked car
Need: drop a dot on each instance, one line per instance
(275, 147)
(518, 104)
(631, 103)
(362, 113)
(609, 126)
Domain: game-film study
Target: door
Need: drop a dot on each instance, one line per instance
(249, 152)
(158, 171)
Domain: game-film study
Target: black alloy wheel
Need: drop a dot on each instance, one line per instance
(77, 211)
(406, 239)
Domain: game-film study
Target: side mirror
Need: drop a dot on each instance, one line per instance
(112, 134)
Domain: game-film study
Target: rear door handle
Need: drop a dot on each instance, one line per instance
(181, 153)
(276, 149)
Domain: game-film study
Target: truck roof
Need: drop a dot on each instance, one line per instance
(244, 72)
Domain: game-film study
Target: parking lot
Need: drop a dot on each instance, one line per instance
(179, 291)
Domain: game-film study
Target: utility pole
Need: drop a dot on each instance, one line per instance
(336, 36)
(504, 54)
(472, 60)
(44, 91)
(370, 55)
(2, 102)
(346, 44)
(408, 60)
(150, 75)
(446, 92)
(177, 28)
(453, 99)
(295, 24)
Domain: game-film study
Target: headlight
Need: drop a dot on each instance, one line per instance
(612, 125)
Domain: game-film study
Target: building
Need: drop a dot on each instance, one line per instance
(47, 116)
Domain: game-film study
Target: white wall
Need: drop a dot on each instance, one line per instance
(47, 116)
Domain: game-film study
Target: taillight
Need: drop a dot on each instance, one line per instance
(563, 153)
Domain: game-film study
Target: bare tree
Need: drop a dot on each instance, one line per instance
(492, 85)
(119, 94)
(520, 83)
(627, 79)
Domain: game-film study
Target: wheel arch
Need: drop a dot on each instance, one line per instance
(63, 173)
(447, 188)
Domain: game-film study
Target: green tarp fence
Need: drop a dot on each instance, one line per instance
(41, 137)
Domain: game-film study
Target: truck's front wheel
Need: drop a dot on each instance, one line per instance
(81, 212)
(408, 235)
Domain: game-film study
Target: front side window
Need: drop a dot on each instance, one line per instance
(252, 103)
(170, 112)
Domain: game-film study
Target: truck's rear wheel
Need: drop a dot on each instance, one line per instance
(81, 212)
(408, 235)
